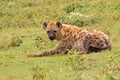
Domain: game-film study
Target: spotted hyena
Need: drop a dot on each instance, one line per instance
(69, 36)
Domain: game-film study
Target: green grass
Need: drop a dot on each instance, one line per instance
(23, 19)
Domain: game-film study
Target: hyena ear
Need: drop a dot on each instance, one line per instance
(44, 24)
(59, 24)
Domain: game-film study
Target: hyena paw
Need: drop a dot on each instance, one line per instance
(34, 55)
(40, 55)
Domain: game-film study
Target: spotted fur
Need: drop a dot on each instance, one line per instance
(69, 36)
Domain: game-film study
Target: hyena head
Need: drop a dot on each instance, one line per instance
(52, 29)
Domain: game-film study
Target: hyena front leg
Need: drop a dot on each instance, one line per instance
(61, 48)
(46, 53)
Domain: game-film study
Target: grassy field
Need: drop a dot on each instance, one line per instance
(21, 34)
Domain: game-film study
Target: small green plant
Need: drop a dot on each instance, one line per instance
(15, 41)
(77, 62)
(40, 73)
(40, 43)
(72, 51)
(69, 8)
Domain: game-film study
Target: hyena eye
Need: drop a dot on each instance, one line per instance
(48, 31)
(55, 31)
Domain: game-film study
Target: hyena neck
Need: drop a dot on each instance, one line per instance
(65, 31)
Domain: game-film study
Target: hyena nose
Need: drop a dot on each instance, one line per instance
(52, 37)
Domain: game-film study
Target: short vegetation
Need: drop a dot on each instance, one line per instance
(21, 34)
